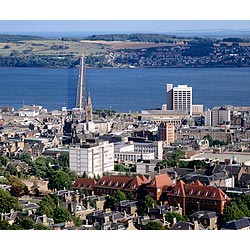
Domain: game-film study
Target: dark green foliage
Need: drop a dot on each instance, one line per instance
(27, 223)
(61, 214)
(178, 154)
(145, 204)
(4, 160)
(170, 216)
(4, 225)
(154, 38)
(104, 112)
(8, 202)
(112, 200)
(26, 158)
(59, 180)
(154, 225)
(40, 226)
(123, 168)
(5, 38)
(238, 208)
(47, 205)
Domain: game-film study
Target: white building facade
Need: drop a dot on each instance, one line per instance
(179, 98)
(93, 159)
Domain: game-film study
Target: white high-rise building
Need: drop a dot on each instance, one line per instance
(179, 98)
(92, 158)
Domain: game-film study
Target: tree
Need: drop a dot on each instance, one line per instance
(145, 204)
(47, 205)
(112, 200)
(27, 223)
(17, 186)
(4, 225)
(40, 226)
(170, 217)
(119, 196)
(238, 208)
(8, 202)
(178, 154)
(26, 158)
(154, 225)
(59, 180)
(11, 169)
(61, 214)
(4, 160)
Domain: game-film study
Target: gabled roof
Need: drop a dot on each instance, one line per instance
(159, 181)
(84, 183)
(178, 189)
(197, 190)
(135, 183)
(238, 224)
(114, 181)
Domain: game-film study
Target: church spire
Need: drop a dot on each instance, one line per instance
(89, 109)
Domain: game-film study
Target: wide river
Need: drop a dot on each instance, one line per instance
(123, 90)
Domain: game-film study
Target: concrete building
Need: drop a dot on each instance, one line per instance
(92, 158)
(166, 132)
(179, 98)
(217, 116)
(197, 109)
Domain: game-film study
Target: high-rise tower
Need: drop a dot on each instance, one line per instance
(81, 88)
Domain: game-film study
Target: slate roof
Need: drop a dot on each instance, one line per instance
(245, 178)
(203, 214)
(237, 224)
(182, 225)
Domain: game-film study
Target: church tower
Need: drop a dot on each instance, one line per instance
(89, 109)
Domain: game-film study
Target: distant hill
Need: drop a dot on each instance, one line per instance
(139, 37)
(6, 38)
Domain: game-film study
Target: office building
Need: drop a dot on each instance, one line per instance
(92, 158)
(179, 98)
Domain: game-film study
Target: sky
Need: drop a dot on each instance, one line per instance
(124, 16)
(120, 25)
(128, 26)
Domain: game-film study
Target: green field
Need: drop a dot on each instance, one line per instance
(51, 47)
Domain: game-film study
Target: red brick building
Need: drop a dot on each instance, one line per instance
(108, 185)
(86, 184)
(157, 184)
(195, 197)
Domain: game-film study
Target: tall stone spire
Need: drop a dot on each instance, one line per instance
(81, 88)
(89, 109)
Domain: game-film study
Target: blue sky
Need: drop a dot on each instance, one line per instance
(120, 25)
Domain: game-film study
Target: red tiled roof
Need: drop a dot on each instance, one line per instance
(84, 182)
(198, 183)
(160, 181)
(135, 183)
(113, 181)
(198, 191)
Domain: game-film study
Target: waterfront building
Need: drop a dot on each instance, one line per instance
(92, 158)
(179, 98)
